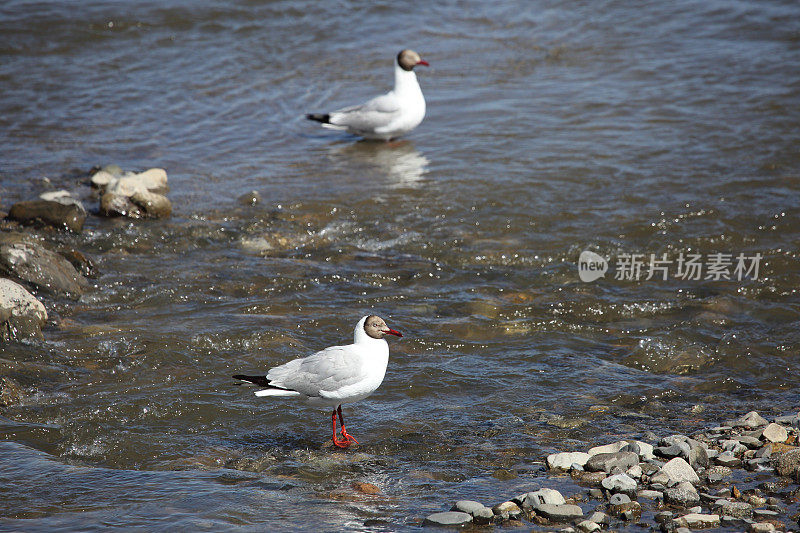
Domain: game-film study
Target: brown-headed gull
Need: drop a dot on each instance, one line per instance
(388, 116)
(335, 375)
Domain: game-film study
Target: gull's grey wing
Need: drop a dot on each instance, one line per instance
(377, 112)
(327, 370)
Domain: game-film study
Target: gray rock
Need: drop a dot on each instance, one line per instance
(786, 464)
(450, 518)
(565, 460)
(728, 459)
(788, 420)
(698, 521)
(21, 314)
(596, 493)
(635, 472)
(651, 494)
(599, 517)
(37, 266)
(698, 456)
(765, 514)
(543, 496)
(62, 197)
(733, 446)
(683, 494)
(627, 511)
(679, 470)
(749, 441)
(467, 506)
(49, 213)
(608, 448)
(663, 516)
(559, 513)
(621, 483)
(483, 516)
(775, 433)
(587, 526)
(733, 508)
(612, 462)
(751, 420)
(680, 449)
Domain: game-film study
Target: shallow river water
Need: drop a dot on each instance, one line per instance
(552, 129)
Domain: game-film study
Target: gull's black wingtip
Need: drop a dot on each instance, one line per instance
(325, 118)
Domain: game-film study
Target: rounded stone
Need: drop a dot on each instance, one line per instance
(449, 518)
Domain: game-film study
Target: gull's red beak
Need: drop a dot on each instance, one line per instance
(392, 332)
(422, 62)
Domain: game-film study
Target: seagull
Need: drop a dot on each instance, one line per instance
(335, 375)
(388, 116)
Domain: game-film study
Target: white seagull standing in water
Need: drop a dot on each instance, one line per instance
(335, 375)
(388, 116)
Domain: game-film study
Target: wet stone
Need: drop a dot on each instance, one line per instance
(627, 511)
(683, 494)
(608, 448)
(698, 521)
(600, 518)
(49, 213)
(250, 198)
(649, 494)
(612, 462)
(566, 460)
(21, 314)
(620, 483)
(761, 527)
(619, 499)
(507, 511)
(559, 513)
(734, 508)
(751, 442)
(678, 469)
(35, 265)
(728, 459)
(587, 526)
(663, 516)
(751, 420)
(450, 518)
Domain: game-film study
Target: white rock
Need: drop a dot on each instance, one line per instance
(20, 302)
(775, 433)
(565, 460)
(679, 470)
(608, 448)
(544, 496)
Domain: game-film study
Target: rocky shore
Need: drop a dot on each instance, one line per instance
(740, 476)
(33, 265)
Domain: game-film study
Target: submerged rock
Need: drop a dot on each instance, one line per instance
(21, 315)
(49, 213)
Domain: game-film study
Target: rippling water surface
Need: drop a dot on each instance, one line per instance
(660, 128)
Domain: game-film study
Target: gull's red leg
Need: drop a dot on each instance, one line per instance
(347, 436)
(341, 443)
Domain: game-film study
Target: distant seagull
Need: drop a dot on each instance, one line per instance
(384, 117)
(334, 376)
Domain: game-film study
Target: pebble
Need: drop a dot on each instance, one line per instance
(507, 511)
(733, 508)
(134, 195)
(250, 198)
(627, 511)
(619, 499)
(698, 521)
(449, 518)
(612, 462)
(775, 433)
(600, 518)
(49, 213)
(635, 472)
(728, 459)
(649, 494)
(678, 469)
(787, 463)
(467, 506)
(587, 526)
(751, 420)
(608, 448)
(565, 460)
(620, 483)
(683, 494)
(21, 314)
(559, 513)
(749, 441)
(543, 496)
